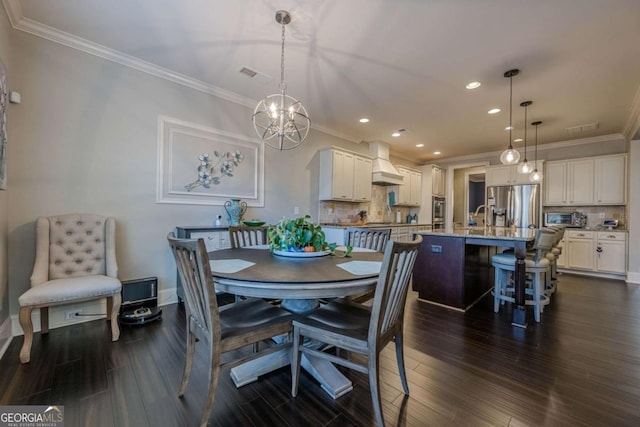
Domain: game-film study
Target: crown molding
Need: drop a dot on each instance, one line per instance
(541, 147)
(632, 128)
(19, 22)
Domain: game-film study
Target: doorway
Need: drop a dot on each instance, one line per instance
(468, 191)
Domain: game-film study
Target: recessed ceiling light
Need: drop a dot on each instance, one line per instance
(473, 85)
(395, 134)
(509, 128)
(494, 111)
(364, 120)
(518, 140)
(437, 152)
(419, 145)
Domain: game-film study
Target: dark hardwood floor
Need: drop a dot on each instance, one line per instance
(580, 366)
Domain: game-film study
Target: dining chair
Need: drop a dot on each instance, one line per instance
(241, 237)
(368, 238)
(75, 261)
(359, 329)
(221, 329)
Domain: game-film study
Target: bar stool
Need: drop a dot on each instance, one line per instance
(553, 255)
(537, 266)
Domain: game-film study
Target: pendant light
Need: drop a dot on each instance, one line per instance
(524, 166)
(510, 156)
(536, 176)
(279, 119)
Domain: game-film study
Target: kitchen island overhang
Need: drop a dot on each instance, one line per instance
(453, 267)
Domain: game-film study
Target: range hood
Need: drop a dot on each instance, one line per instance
(383, 172)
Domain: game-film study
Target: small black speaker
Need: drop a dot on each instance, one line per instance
(140, 301)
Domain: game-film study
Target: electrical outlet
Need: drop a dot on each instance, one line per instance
(601, 215)
(296, 210)
(72, 314)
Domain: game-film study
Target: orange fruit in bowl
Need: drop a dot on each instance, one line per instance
(309, 249)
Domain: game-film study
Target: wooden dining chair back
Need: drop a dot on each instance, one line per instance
(221, 329)
(356, 328)
(242, 237)
(369, 238)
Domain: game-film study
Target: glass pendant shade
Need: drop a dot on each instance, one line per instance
(510, 156)
(536, 176)
(280, 120)
(524, 167)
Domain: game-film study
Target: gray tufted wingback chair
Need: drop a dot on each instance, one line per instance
(75, 261)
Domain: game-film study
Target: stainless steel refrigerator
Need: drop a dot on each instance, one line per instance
(514, 204)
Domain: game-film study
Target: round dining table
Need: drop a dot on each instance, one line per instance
(300, 281)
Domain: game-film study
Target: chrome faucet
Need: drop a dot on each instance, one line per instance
(488, 209)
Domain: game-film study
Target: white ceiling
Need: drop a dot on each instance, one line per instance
(402, 63)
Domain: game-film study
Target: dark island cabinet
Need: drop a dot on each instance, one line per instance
(451, 272)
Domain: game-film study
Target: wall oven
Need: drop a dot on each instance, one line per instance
(437, 216)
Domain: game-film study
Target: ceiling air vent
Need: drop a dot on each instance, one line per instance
(253, 74)
(583, 128)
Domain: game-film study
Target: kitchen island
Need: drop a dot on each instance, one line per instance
(453, 267)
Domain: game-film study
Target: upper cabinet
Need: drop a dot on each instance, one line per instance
(611, 178)
(508, 175)
(590, 181)
(438, 180)
(344, 176)
(362, 178)
(410, 191)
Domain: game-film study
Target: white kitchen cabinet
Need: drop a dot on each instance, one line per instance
(581, 250)
(362, 179)
(611, 252)
(410, 191)
(438, 181)
(594, 251)
(580, 177)
(508, 174)
(610, 180)
(344, 176)
(584, 182)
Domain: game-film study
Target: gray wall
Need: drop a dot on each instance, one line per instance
(5, 51)
(84, 139)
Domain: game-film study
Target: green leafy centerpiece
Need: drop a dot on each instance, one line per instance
(299, 238)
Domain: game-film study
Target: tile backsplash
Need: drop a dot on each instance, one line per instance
(331, 212)
(594, 213)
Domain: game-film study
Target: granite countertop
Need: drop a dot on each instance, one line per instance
(498, 233)
(370, 224)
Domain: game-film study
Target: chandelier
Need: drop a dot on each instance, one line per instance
(510, 156)
(280, 120)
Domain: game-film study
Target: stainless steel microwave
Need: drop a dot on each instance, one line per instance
(567, 219)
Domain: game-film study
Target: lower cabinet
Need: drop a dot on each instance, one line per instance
(596, 251)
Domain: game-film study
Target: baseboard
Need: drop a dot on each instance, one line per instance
(593, 274)
(633, 277)
(167, 296)
(5, 336)
(95, 309)
(99, 307)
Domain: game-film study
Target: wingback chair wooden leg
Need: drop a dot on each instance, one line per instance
(113, 308)
(27, 326)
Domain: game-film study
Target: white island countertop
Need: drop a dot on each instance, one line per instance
(497, 233)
